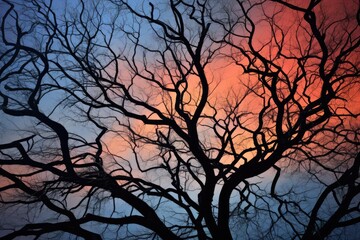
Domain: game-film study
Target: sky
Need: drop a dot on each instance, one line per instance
(225, 78)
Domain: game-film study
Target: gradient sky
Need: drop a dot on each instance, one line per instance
(226, 78)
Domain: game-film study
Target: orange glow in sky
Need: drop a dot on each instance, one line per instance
(227, 80)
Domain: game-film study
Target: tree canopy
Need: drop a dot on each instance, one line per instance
(179, 119)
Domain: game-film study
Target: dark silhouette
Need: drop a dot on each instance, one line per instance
(179, 119)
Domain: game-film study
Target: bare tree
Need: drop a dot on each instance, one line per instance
(179, 119)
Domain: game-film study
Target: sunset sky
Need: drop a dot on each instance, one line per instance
(137, 103)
